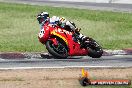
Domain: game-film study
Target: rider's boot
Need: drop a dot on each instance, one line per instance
(84, 40)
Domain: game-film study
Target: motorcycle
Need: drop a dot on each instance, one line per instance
(61, 43)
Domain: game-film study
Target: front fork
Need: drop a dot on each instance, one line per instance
(57, 46)
(54, 40)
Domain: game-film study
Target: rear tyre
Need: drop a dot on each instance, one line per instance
(95, 50)
(95, 53)
(58, 51)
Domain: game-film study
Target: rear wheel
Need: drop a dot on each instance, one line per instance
(58, 51)
(95, 50)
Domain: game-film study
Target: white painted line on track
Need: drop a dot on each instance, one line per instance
(15, 68)
(60, 67)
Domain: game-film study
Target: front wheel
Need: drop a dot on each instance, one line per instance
(58, 51)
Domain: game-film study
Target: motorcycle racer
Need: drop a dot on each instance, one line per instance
(44, 18)
(60, 41)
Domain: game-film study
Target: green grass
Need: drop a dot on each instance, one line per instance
(19, 27)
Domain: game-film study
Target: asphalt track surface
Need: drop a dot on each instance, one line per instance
(81, 5)
(85, 61)
(81, 61)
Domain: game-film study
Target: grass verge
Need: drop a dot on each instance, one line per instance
(19, 27)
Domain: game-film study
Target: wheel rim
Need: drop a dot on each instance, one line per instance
(60, 49)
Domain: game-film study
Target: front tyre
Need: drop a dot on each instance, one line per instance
(58, 51)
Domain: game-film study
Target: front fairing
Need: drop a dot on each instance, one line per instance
(44, 34)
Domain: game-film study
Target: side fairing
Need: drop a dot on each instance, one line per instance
(63, 34)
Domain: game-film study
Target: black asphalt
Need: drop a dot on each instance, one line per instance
(84, 5)
(110, 61)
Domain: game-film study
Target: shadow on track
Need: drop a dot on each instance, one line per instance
(47, 56)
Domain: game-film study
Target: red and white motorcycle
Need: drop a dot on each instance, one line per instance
(60, 43)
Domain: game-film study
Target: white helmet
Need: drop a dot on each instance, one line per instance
(43, 16)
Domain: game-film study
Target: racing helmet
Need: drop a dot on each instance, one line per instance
(42, 17)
